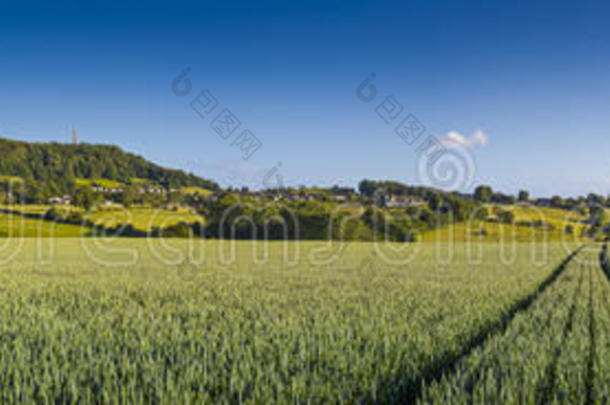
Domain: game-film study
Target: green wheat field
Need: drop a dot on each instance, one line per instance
(177, 321)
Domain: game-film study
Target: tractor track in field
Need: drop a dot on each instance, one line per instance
(547, 384)
(604, 262)
(590, 375)
(448, 362)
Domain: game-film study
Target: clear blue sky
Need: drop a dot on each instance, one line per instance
(533, 76)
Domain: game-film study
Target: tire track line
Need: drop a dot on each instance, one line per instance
(590, 375)
(546, 386)
(448, 362)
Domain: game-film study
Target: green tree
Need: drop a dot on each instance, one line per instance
(381, 198)
(483, 193)
(595, 199)
(596, 216)
(367, 188)
(506, 216)
(130, 196)
(84, 197)
(35, 193)
(524, 195)
(557, 201)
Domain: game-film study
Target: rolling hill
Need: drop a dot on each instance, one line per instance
(54, 167)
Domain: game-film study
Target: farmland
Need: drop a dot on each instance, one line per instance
(554, 352)
(14, 226)
(27, 220)
(530, 224)
(178, 321)
(143, 219)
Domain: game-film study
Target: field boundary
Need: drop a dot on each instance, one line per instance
(449, 361)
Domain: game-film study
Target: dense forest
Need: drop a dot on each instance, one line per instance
(51, 168)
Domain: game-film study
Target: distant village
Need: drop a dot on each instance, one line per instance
(334, 194)
(156, 195)
(338, 195)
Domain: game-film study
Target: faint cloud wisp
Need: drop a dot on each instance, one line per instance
(453, 139)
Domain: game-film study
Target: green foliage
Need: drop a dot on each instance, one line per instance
(130, 196)
(504, 216)
(179, 230)
(597, 215)
(524, 195)
(367, 188)
(595, 199)
(85, 197)
(251, 218)
(52, 168)
(483, 193)
(501, 198)
(370, 188)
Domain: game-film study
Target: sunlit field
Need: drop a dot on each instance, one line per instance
(31, 223)
(15, 226)
(144, 219)
(539, 224)
(179, 321)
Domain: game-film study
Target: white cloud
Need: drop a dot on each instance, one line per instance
(455, 139)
